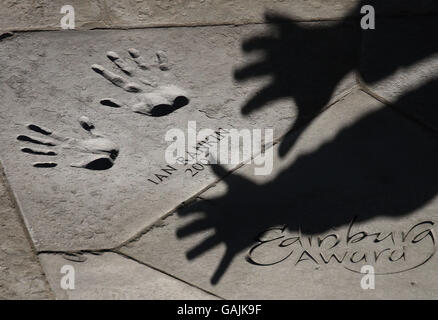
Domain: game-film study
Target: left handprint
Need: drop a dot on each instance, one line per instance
(100, 152)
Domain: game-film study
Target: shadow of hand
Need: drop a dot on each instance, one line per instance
(305, 62)
(228, 218)
(380, 165)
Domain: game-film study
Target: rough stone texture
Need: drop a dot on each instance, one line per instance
(109, 276)
(21, 276)
(410, 64)
(186, 12)
(48, 82)
(45, 14)
(206, 12)
(315, 197)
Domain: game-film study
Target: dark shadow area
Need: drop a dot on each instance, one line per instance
(306, 61)
(165, 109)
(159, 110)
(45, 165)
(384, 164)
(103, 163)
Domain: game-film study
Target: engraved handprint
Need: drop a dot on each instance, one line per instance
(152, 97)
(101, 152)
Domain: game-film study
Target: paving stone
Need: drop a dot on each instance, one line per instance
(109, 276)
(50, 90)
(21, 276)
(360, 183)
(46, 14)
(410, 63)
(146, 13)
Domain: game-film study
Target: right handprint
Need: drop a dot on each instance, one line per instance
(152, 95)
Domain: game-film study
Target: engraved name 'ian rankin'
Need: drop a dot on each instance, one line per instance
(199, 152)
(390, 252)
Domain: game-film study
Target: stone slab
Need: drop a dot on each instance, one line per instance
(158, 13)
(21, 275)
(45, 15)
(109, 276)
(47, 82)
(410, 64)
(360, 183)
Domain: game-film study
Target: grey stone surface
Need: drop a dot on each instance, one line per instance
(409, 65)
(315, 192)
(146, 13)
(21, 276)
(109, 276)
(47, 85)
(45, 14)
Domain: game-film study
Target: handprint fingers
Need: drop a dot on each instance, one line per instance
(153, 99)
(86, 124)
(119, 62)
(138, 59)
(103, 150)
(39, 129)
(112, 103)
(116, 79)
(45, 164)
(40, 140)
(38, 152)
(35, 140)
(163, 62)
(110, 76)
